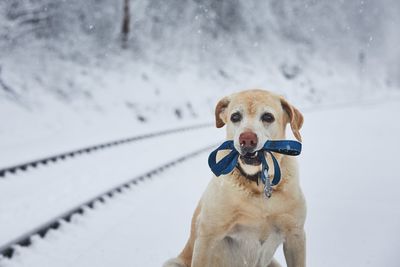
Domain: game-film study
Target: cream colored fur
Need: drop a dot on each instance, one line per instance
(234, 224)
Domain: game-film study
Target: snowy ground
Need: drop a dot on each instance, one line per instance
(62, 186)
(21, 151)
(348, 173)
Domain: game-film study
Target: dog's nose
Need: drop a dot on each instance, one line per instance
(248, 140)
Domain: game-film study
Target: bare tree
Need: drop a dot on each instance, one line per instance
(125, 24)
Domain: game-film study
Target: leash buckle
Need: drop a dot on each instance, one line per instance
(267, 186)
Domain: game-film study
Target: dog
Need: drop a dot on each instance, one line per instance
(234, 224)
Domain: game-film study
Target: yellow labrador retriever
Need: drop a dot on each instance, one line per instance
(234, 223)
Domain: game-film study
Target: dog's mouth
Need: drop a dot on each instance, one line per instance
(250, 158)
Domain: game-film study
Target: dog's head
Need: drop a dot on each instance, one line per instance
(254, 117)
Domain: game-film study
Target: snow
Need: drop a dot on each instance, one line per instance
(69, 77)
(16, 149)
(66, 83)
(67, 184)
(348, 174)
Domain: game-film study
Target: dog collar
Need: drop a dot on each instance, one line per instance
(251, 177)
(230, 161)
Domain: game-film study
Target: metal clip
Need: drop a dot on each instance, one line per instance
(267, 186)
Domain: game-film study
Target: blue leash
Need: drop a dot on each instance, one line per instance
(229, 162)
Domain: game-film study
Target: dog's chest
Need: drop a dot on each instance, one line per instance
(257, 218)
(255, 243)
(258, 231)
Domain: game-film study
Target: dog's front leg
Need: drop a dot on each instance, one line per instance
(202, 250)
(294, 248)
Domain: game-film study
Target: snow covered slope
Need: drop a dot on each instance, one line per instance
(349, 175)
(62, 67)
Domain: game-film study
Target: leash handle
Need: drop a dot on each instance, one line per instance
(227, 163)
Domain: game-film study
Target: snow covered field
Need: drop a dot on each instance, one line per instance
(35, 196)
(72, 77)
(349, 173)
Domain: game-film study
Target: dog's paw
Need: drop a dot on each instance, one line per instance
(175, 262)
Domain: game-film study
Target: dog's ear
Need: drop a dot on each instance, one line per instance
(220, 116)
(296, 119)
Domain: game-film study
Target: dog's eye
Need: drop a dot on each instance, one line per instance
(267, 117)
(236, 117)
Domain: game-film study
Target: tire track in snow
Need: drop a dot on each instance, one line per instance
(90, 149)
(7, 250)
